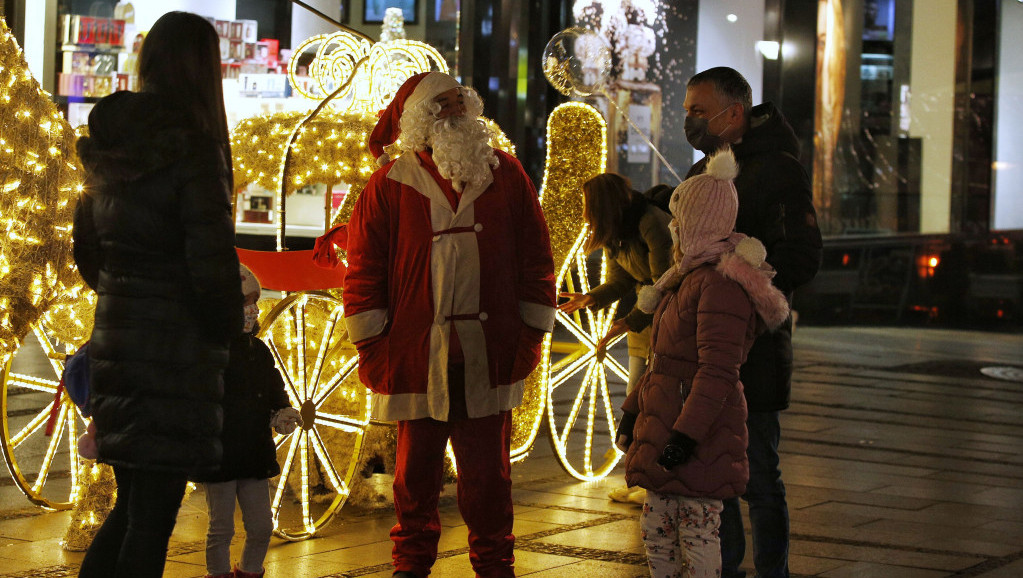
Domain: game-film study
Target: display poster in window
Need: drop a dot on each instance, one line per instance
(879, 20)
(639, 150)
(373, 10)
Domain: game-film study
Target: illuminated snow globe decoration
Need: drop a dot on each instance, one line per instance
(577, 62)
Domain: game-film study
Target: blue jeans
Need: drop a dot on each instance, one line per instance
(768, 511)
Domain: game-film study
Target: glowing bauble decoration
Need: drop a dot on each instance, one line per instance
(577, 62)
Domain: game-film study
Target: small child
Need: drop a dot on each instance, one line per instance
(254, 401)
(684, 430)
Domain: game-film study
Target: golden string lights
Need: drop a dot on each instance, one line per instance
(572, 373)
(93, 503)
(40, 179)
(576, 151)
(40, 289)
(373, 84)
(330, 149)
(305, 333)
(573, 156)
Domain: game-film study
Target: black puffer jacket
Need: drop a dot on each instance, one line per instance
(775, 206)
(253, 390)
(153, 237)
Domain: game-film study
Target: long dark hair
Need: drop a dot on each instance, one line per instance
(180, 61)
(605, 199)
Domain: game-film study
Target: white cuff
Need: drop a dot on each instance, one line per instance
(366, 324)
(538, 316)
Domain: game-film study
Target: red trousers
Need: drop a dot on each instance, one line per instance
(481, 447)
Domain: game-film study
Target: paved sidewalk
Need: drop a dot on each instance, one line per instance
(901, 458)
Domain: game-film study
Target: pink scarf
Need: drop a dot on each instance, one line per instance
(712, 253)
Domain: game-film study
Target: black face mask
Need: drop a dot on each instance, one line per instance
(698, 136)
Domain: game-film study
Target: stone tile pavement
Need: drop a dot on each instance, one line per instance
(901, 458)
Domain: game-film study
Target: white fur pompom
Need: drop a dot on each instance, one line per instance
(722, 165)
(648, 299)
(383, 159)
(752, 251)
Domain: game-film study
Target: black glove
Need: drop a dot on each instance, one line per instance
(623, 437)
(677, 451)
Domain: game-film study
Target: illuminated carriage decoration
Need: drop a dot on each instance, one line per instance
(304, 328)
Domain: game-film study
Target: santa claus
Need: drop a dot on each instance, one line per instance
(448, 294)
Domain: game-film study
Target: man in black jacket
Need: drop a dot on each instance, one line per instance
(775, 206)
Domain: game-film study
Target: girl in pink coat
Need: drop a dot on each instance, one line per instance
(684, 430)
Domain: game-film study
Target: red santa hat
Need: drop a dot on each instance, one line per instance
(418, 88)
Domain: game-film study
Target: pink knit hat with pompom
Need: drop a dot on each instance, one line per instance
(705, 206)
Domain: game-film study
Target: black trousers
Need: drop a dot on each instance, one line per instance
(133, 540)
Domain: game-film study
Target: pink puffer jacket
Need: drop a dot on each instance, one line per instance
(701, 335)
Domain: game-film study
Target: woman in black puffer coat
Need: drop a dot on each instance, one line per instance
(153, 237)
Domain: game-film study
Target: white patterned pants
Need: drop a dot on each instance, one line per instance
(681, 536)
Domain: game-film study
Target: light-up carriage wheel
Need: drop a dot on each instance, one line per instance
(580, 410)
(306, 334)
(41, 179)
(580, 413)
(40, 427)
(43, 465)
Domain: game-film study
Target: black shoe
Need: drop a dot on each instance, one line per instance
(404, 574)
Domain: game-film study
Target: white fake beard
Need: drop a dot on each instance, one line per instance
(461, 150)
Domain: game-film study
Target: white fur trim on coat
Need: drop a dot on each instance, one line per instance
(649, 297)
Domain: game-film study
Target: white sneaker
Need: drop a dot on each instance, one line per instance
(627, 495)
(637, 495)
(620, 494)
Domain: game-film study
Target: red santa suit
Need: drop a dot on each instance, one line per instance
(424, 264)
(417, 267)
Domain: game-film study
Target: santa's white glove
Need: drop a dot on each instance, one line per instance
(285, 420)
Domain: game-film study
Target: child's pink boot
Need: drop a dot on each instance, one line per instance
(239, 574)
